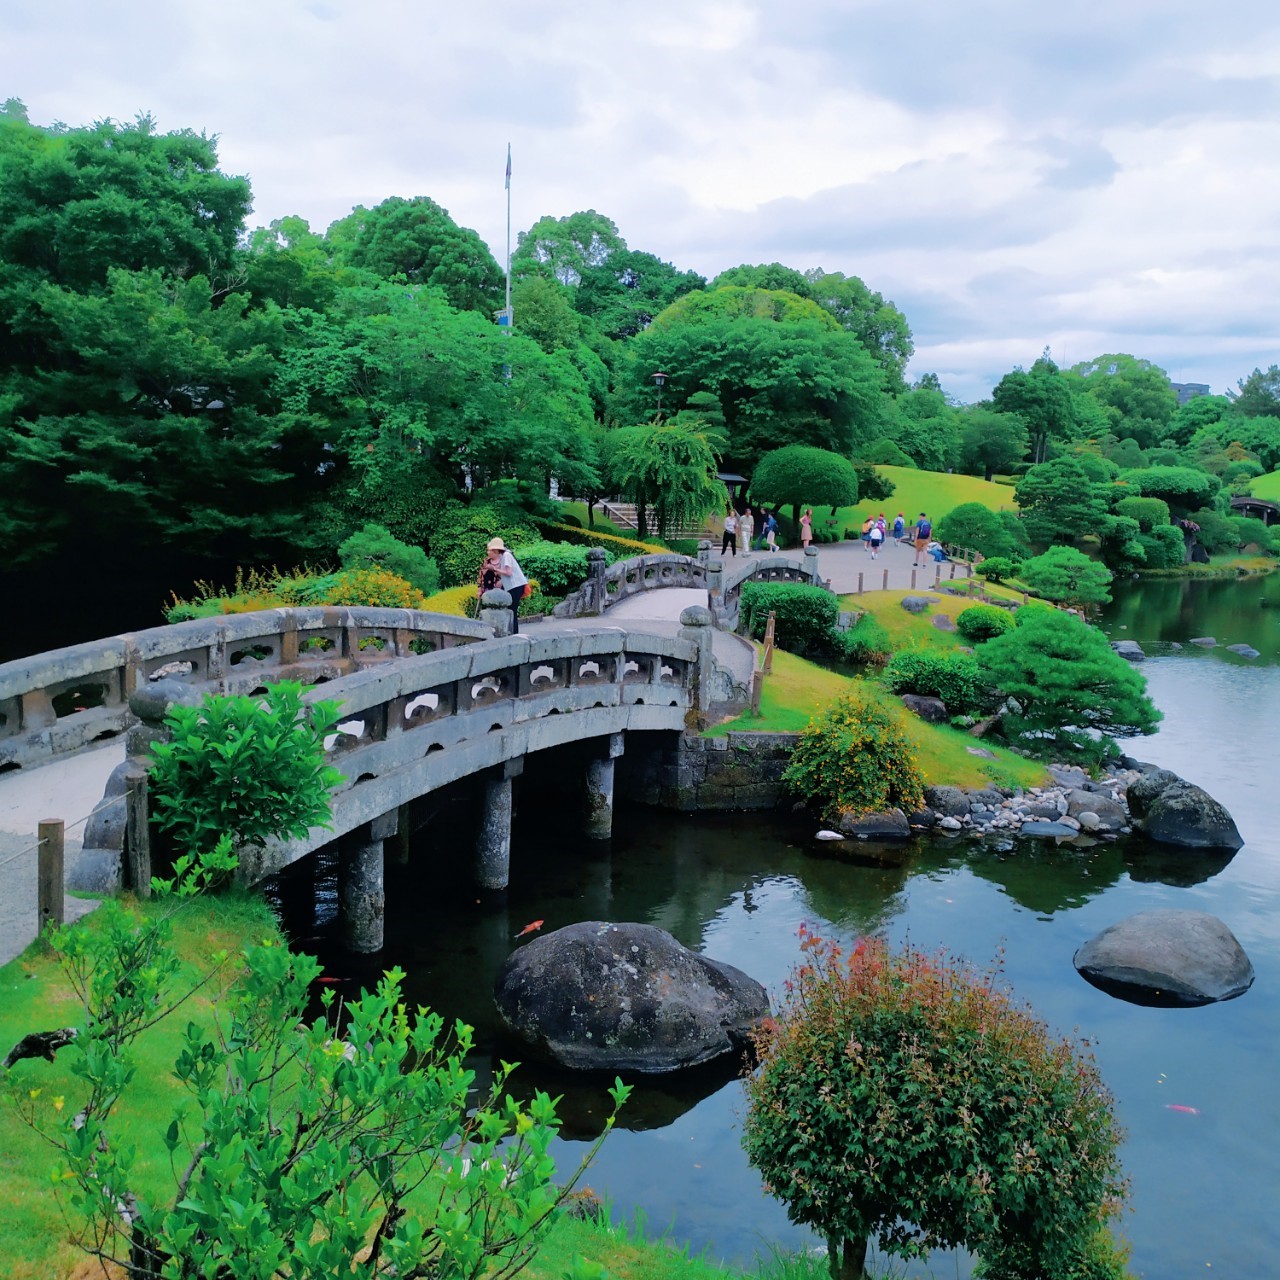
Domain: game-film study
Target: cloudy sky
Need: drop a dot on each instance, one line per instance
(1093, 177)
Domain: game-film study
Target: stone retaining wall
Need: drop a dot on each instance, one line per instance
(740, 771)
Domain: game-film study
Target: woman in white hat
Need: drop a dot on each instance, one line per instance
(507, 567)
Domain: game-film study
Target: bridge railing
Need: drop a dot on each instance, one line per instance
(606, 586)
(57, 702)
(414, 725)
(726, 593)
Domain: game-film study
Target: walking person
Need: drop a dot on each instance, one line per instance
(729, 539)
(899, 526)
(876, 540)
(771, 531)
(806, 528)
(513, 579)
(747, 524)
(924, 531)
(867, 525)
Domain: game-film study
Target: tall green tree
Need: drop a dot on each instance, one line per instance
(1258, 395)
(667, 469)
(1135, 394)
(565, 249)
(925, 426)
(418, 240)
(1067, 576)
(777, 383)
(1042, 398)
(623, 294)
(991, 442)
(876, 323)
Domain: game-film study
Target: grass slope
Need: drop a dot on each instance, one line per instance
(935, 492)
(1267, 487)
(798, 689)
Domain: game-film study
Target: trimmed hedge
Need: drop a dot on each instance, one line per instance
(954, 677)
(983, 622)
(624, 548)
(560, 567)
(804, 616)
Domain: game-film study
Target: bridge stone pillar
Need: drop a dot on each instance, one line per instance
(715, 590)
(599, 823)
(696, 624)
(495, 611)
(362, 893)
(594, 585)
(493, 841)
(810, 563)
(704, 552)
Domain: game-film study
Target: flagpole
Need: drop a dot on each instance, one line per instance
(510, 318)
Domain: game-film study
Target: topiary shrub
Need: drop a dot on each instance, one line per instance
(856, 757)
(1150, 513)
(375, 547)
(933, 673)
(982, 622)
(909, 1099)
(996, 569)
(866, 642)
(1164, 547)
(804, 616)
(1250, 530)
(976, 527)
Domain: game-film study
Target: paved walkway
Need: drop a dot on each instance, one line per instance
(842, 562)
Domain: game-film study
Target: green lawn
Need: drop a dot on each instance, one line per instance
(935, 492)
(797, 689)
(1267, 487)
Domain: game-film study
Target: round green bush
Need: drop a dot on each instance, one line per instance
(804, 616)
(996, 568)
(930, 673)
(558, 567)
(982, 622)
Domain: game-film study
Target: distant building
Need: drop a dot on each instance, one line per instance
(1189, 390)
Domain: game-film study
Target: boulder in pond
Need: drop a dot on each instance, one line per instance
(1129, 649)
(1109, 814)
(599, 996)
(1244, 650)
(1167, 957)
(949, 802)
(1187, 815)
(1142, 792)
(892, 825)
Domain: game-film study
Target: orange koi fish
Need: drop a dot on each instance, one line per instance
(532, 927)
(1177, 1106)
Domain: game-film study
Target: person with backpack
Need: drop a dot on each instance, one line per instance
(867, 526)
(924, 531)
(899, 526)
(876, 539)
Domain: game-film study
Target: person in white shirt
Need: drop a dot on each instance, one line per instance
(513, 580)
(729, 542)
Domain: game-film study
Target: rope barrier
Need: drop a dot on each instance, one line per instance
(98, 808)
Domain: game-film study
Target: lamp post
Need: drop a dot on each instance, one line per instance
(659, 381)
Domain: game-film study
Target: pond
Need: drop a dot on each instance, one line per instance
(1204, 1184)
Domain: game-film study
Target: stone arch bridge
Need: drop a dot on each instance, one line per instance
(427, 700)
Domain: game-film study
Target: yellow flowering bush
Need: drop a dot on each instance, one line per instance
(459, 601)
(857, 757)
(375, 587)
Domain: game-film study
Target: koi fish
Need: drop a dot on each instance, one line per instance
(1177, 1106)
(333, 980)
(532, 927)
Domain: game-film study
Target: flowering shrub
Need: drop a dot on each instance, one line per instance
(856, 757)
(460, 602)
(908, 1098)
(374, 587)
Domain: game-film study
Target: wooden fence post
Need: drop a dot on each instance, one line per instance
(885, 587)
(49, 899)
(757, 688)
(138, 833)
(767, 664)
(859, 584)
(913, 579)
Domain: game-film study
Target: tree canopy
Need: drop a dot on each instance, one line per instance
(798, 475)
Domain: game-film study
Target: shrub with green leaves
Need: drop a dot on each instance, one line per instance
(867, 642)
(558, 567)
(1150, 513)
(350, 1143)
(1164, 547)
(978, 528)
(997, 568)
(982, 622)
(910, 1099)
(459, 540)
(804, 616)
(375, 545)
(248, 768)
(856, 757)
(936, 673)
(1250, 530)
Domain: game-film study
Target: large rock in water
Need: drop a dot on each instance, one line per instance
(1167, 957)
(625, 997)
(1187, 815)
